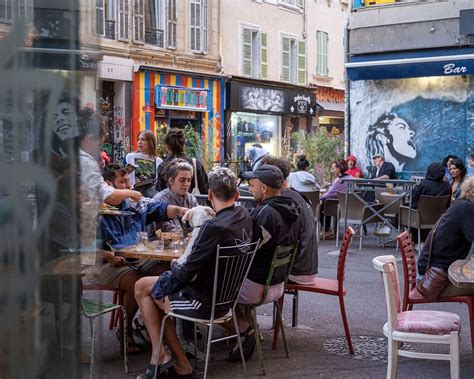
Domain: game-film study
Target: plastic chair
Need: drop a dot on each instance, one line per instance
(283, 256)
(430, 209)
(91, 310)
(232, 266)
(410, 294)
(332, 287)
(330, 209)
(393, 209)
(313, 197)
(430, 327)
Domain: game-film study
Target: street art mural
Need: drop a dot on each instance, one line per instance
(412, 122)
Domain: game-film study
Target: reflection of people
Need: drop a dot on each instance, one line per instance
(453, 237)
(255, 154)
(391, 137)
(353, 170)
(302, 180)
(64, 125)
(458, 172)
(381, 169)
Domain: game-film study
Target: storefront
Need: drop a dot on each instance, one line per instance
(266, 115)
(330, 108)
(166, 99)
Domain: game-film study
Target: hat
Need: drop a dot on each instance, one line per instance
(267, 174)
(377, 155)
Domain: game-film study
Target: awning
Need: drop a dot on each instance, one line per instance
(412, 64)
(329, 106)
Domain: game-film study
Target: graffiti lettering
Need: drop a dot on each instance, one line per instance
(451, 68)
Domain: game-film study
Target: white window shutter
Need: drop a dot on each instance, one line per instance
(322, 53)
(171, 22)
(204, 25)
(302, 62)
(138, 21)
(123, 20)
(99, 17)
(263, 56)
(285, 59)
(246, 52)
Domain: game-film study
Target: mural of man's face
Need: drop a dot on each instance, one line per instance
(64, 121)
(402, 138)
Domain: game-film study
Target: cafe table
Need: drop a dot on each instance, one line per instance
(460, 273)
(168, 253)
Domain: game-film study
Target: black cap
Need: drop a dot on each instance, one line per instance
(267, 174)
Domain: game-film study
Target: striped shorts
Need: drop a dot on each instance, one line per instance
(185, 305)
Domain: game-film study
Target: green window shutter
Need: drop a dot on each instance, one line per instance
(302, 62)
(285, 59)
(301, 3)
(263, 56)
(246, 51)
(322, 53)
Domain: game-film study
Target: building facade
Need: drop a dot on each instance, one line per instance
(411, 66)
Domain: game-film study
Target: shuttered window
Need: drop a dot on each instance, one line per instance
(285, 59)
(123, 20)
(171, 22)
(322, 53)
(302, 62)
(139, 21)
(198, 25)
(254, 56)
(99, 18)
(246, 52)
(263, 56)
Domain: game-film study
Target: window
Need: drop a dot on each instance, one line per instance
(138, 21)
(294, 3)
(293, 60)
(123, 20)
(105, 18)
(171, 21)
(154, 32)
(322, 53)
(198, 25)
(9, 9)
(99, 17)
(254, 53)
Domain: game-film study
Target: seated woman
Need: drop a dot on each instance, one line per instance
(432, 185)
(302, 180)
(453, 237)
(458, 172)
(353, 170)
(178, 174)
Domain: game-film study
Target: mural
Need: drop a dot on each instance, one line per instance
(413, 122)
(262, 99)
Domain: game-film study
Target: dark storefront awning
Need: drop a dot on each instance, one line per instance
(412, 64)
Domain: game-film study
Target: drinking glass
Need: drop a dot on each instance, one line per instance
(176, 238)
(158, 246)
(142, 241)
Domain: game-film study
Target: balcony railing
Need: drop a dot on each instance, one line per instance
(154, 37)
(109, 29)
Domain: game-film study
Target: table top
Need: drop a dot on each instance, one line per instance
(66, 266)
(168, 253)
(460, 273)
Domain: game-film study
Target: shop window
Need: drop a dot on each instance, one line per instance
(139, 21)
(322, 53)
(293, 60)
(154, 31)
(171, 22)
(254, 53)
(198, 25)
(123, 20)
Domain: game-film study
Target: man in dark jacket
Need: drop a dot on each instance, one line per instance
(232, 225)
(433, 184)
(305, 266)
(381, 169)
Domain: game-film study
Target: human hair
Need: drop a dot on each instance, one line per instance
(467, 189)
(257, 145)
(447, 158)
(341, 164)
(174, 140)
(113, 170)
(282, 163)
(374, 144)
(223, 183)
(90, 122)
(458, 163)
(302, 163)
(173, 168)
(151, 139)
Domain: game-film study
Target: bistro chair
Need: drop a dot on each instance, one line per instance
(332, 287)
(117, 298)
(283, 257)
(410, 294)
(428, 327)
(232, 266)
(330, 209)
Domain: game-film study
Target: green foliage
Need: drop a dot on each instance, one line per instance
(191, 148)
(320, 149)
(160, 133)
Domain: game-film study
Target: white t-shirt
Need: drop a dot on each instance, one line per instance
(146, 167)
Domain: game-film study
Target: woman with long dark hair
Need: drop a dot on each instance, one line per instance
(458, 172)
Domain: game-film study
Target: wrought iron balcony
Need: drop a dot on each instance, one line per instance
(109, 29)
(154, 37)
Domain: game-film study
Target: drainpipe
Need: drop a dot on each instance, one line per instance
(347, 116)
(219, 37)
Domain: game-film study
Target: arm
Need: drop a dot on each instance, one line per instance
(162, 211)
(117, 196)
(112, 259)
(336, 187)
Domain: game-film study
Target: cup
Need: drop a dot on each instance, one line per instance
(158, 246)
(389, 187)
(142, 241)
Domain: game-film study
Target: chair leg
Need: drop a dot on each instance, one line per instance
(392, 359)
(124, 334)
(336, 224)
(239, 342)
(346, 324)
(257, 338)
(208, 348)
(454, 355)
(360, 240)
(419, 243)
(280, 322)
(94, 333)
(294, 322)
(276, 326)
(113, 315)
(470, 307)
(195, 346)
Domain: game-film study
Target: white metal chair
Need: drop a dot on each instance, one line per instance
(232, 266)
(433, 327)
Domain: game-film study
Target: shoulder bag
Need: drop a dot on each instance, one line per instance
(195, 190)
(435, 279)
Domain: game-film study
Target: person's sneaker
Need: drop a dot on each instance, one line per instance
(248, 347)
(383, 231)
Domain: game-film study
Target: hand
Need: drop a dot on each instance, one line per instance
(116, 261)
(135, 195)
(173, 211)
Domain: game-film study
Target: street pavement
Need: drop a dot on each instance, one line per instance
(319, 322)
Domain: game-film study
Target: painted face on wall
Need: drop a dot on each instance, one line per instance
(402, 138)
(65, 121)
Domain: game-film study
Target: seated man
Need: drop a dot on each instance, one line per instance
(121, 231)
(276, 222)
(196, 276)
(382, 170)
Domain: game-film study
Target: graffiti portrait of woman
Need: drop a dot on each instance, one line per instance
(392, 137)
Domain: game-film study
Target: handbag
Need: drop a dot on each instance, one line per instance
(195, 190)
(435, 279)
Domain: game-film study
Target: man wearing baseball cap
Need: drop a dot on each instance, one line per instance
(381, 169)
(276, 222)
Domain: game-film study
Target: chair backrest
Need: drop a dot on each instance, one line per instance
(387, 265)
(330, 207)
(387, 199)
(312, 196)
(232, 266)
(355, 207)
(282, 256)
(341, 264)
(431, 208)
(409, 264)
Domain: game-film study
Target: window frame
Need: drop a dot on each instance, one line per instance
(200, 27)
(322, 57)
(171, 21)
(292, 58)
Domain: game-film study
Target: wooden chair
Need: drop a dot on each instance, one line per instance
(410, 294)
(332, 287)
(427, 327)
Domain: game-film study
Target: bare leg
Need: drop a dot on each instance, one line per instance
(127, 283)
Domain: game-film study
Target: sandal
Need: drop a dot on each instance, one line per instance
(162, 368)
(174, 374)
(248, 346)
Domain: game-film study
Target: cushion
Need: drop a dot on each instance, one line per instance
(428, 322)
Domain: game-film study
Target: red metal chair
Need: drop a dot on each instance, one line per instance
(333, 287)
(410, 294)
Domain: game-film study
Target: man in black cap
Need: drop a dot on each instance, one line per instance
(276, 222)
(381, 169)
